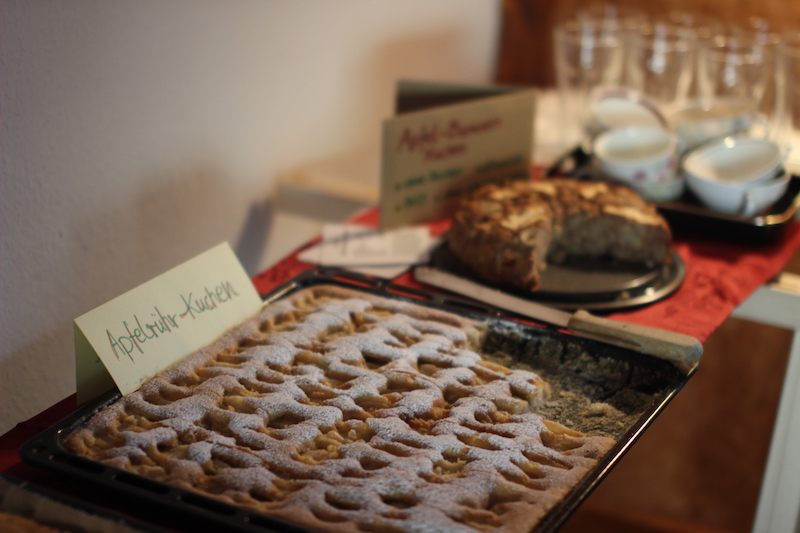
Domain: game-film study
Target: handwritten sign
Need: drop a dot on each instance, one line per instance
(431, 156)
(142, 332)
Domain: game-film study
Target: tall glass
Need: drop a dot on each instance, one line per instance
(704, 28)
(732, 69)
(661, 64)
(788, 96)
(764, 35)
(588, 54)
(735, 68)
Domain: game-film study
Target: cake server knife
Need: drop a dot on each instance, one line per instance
(683, 350)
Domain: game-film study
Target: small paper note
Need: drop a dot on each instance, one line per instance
(355, 245)
(369, 251)
(142, 332)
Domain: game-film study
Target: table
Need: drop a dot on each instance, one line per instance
(755, 296)
(778, 304)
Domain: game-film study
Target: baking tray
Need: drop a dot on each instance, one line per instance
(599, 285)
(688, 216)
(64, 512)
(640, 385)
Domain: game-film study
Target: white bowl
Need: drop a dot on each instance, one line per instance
(735, 160)
(619, 108)
(642, 157)
(744, 199)
(701, 121)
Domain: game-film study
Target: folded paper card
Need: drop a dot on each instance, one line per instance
(356, 245)
(433, 154)
(365, 249)
(140, 333)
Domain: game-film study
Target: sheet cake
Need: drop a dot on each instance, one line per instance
(338, 410)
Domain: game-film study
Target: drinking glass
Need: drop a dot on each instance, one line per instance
(739, 69)
(735, 68)
(626, 21)
(588, 53)
(704, 29)
(760, 31)
(788, 98)
(661, 64)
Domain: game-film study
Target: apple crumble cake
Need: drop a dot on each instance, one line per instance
(504, 234)
(339, 410)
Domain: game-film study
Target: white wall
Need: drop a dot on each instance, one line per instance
(137, 134)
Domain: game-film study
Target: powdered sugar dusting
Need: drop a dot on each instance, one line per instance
(344, 411)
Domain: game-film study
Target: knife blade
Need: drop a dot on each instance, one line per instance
(683, 350)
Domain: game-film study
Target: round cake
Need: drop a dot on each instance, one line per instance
(505, 234)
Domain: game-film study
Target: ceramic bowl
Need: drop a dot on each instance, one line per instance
(735, 160)
(746, 200)
(642, 157)
(619, 108)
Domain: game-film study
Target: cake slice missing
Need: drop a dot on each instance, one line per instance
(338, 410)
(505, 234)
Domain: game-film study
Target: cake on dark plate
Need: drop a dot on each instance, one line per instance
(505, 234)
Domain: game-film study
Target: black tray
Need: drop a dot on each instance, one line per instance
(559, 357)
(64, 512)
(689, 217)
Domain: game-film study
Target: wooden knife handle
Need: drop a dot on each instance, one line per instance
(682, 349)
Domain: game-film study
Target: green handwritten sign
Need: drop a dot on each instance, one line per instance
(431, 155)
(140, 333)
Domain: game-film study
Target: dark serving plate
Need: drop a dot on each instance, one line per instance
(598, 285)
(688, 216)
(638, 384)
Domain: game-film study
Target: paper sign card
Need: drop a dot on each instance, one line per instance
(432, 156)
(142, 332)
(349, 245)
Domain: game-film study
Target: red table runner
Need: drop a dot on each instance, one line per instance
(719, 276)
